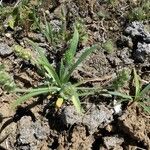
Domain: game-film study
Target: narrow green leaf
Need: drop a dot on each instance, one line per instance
(53, 88)
(40, 51)
(80, 60)
(61, 70)
(146, 108)
(36, 19)
(137, 84)
(76, 103)
(48, 31)
(45, 63)
(51, 71)
(29, 95)
(145, 90)
(70, 53)
(85, 91)
(120, 95)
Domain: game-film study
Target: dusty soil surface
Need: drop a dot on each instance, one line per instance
(38, 125)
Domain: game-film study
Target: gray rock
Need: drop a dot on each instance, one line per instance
(136, 30)
(5, 50)
(127, 41)
(31, 134)
(98, 116)
(125, 55)
(113, 142)
(73, 9)
(147, 38)
(40, 132)
(115, 61)
(56, 25)
(36, 37)
(142, 50)
(141, 41)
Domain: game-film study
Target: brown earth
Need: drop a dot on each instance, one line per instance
(39, 126)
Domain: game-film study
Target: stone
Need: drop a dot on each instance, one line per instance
(142, 50)
(31, 135)
(98, 116)
(147, 38)
(113, 142)
(36, 37)
(135, 29)
(140, 41)
(5, 50)
(125, 56)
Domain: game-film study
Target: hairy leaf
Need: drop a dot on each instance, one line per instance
(48, 31)
(33, 92)
(76, 102)
(70, 53)
(27, 96)
(80, 60)
(145, 90)
(137, 84)
(121, 95)
(45, 63)
(146, 108)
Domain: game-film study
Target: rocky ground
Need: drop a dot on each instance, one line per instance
(124, 39)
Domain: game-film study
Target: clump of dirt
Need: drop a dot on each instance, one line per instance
(137, 125)
(79, 139)
(5, 50)
(97, 64)
(96, 116)
(102, 21)
(140, 39)
(112, 142)
(31, 135)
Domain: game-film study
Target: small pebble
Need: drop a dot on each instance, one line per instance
(5, 50)
(8, 35)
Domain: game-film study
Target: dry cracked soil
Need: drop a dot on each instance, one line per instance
(125, 43)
